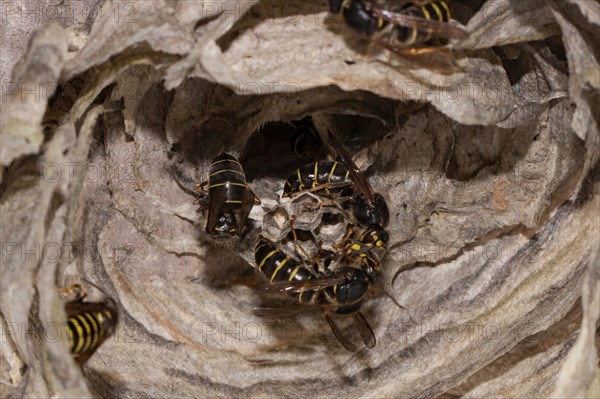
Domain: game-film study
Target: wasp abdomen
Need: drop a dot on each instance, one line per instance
(88, 325)
(229, 197)
(227, 175)
(432, 11)
(316, 174)
(277, 266)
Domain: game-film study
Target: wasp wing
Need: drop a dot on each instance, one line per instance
(305, 285)
(355, 173)
(248, 201)
(215, 205)
(340, 337)
(366, 333)
(434, 27)
(285, 310)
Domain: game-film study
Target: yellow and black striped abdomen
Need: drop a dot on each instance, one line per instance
(431, 11)
(279, 267)
(88, 326)
(332, 175)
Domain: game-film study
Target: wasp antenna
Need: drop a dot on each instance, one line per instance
(389, 295)
(182, 186)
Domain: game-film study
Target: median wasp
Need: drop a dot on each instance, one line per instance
(403, 27)
(342, 179)
(340, 292)
(229, 199)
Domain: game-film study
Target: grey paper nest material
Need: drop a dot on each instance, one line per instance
(490, 168)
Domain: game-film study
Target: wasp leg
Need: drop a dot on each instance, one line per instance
(256, 199)
(365, 330)
(324, 186)
(412, 51)
(202, 198)
(203, 202)
(198, 188)
(297, 245)
(337, 202)
(345, 239)
(321, 204)
(319, 266)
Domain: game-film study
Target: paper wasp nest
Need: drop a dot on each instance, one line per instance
(489, 164)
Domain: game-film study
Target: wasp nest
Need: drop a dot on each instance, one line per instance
(489, 164)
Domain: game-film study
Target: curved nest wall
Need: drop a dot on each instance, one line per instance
(486, 153)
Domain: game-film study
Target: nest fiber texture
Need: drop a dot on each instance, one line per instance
(489, 164)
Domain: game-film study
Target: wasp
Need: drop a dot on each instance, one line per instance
(343, 179)
(410, 26)
(341, 292)
(229, 199)
(304, 139)
(367, 248)
(89, 324)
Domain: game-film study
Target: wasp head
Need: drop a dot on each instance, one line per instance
(367, 213)
(225, 227)
(351, 294)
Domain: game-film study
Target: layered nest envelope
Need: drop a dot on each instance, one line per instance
(486, 151)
